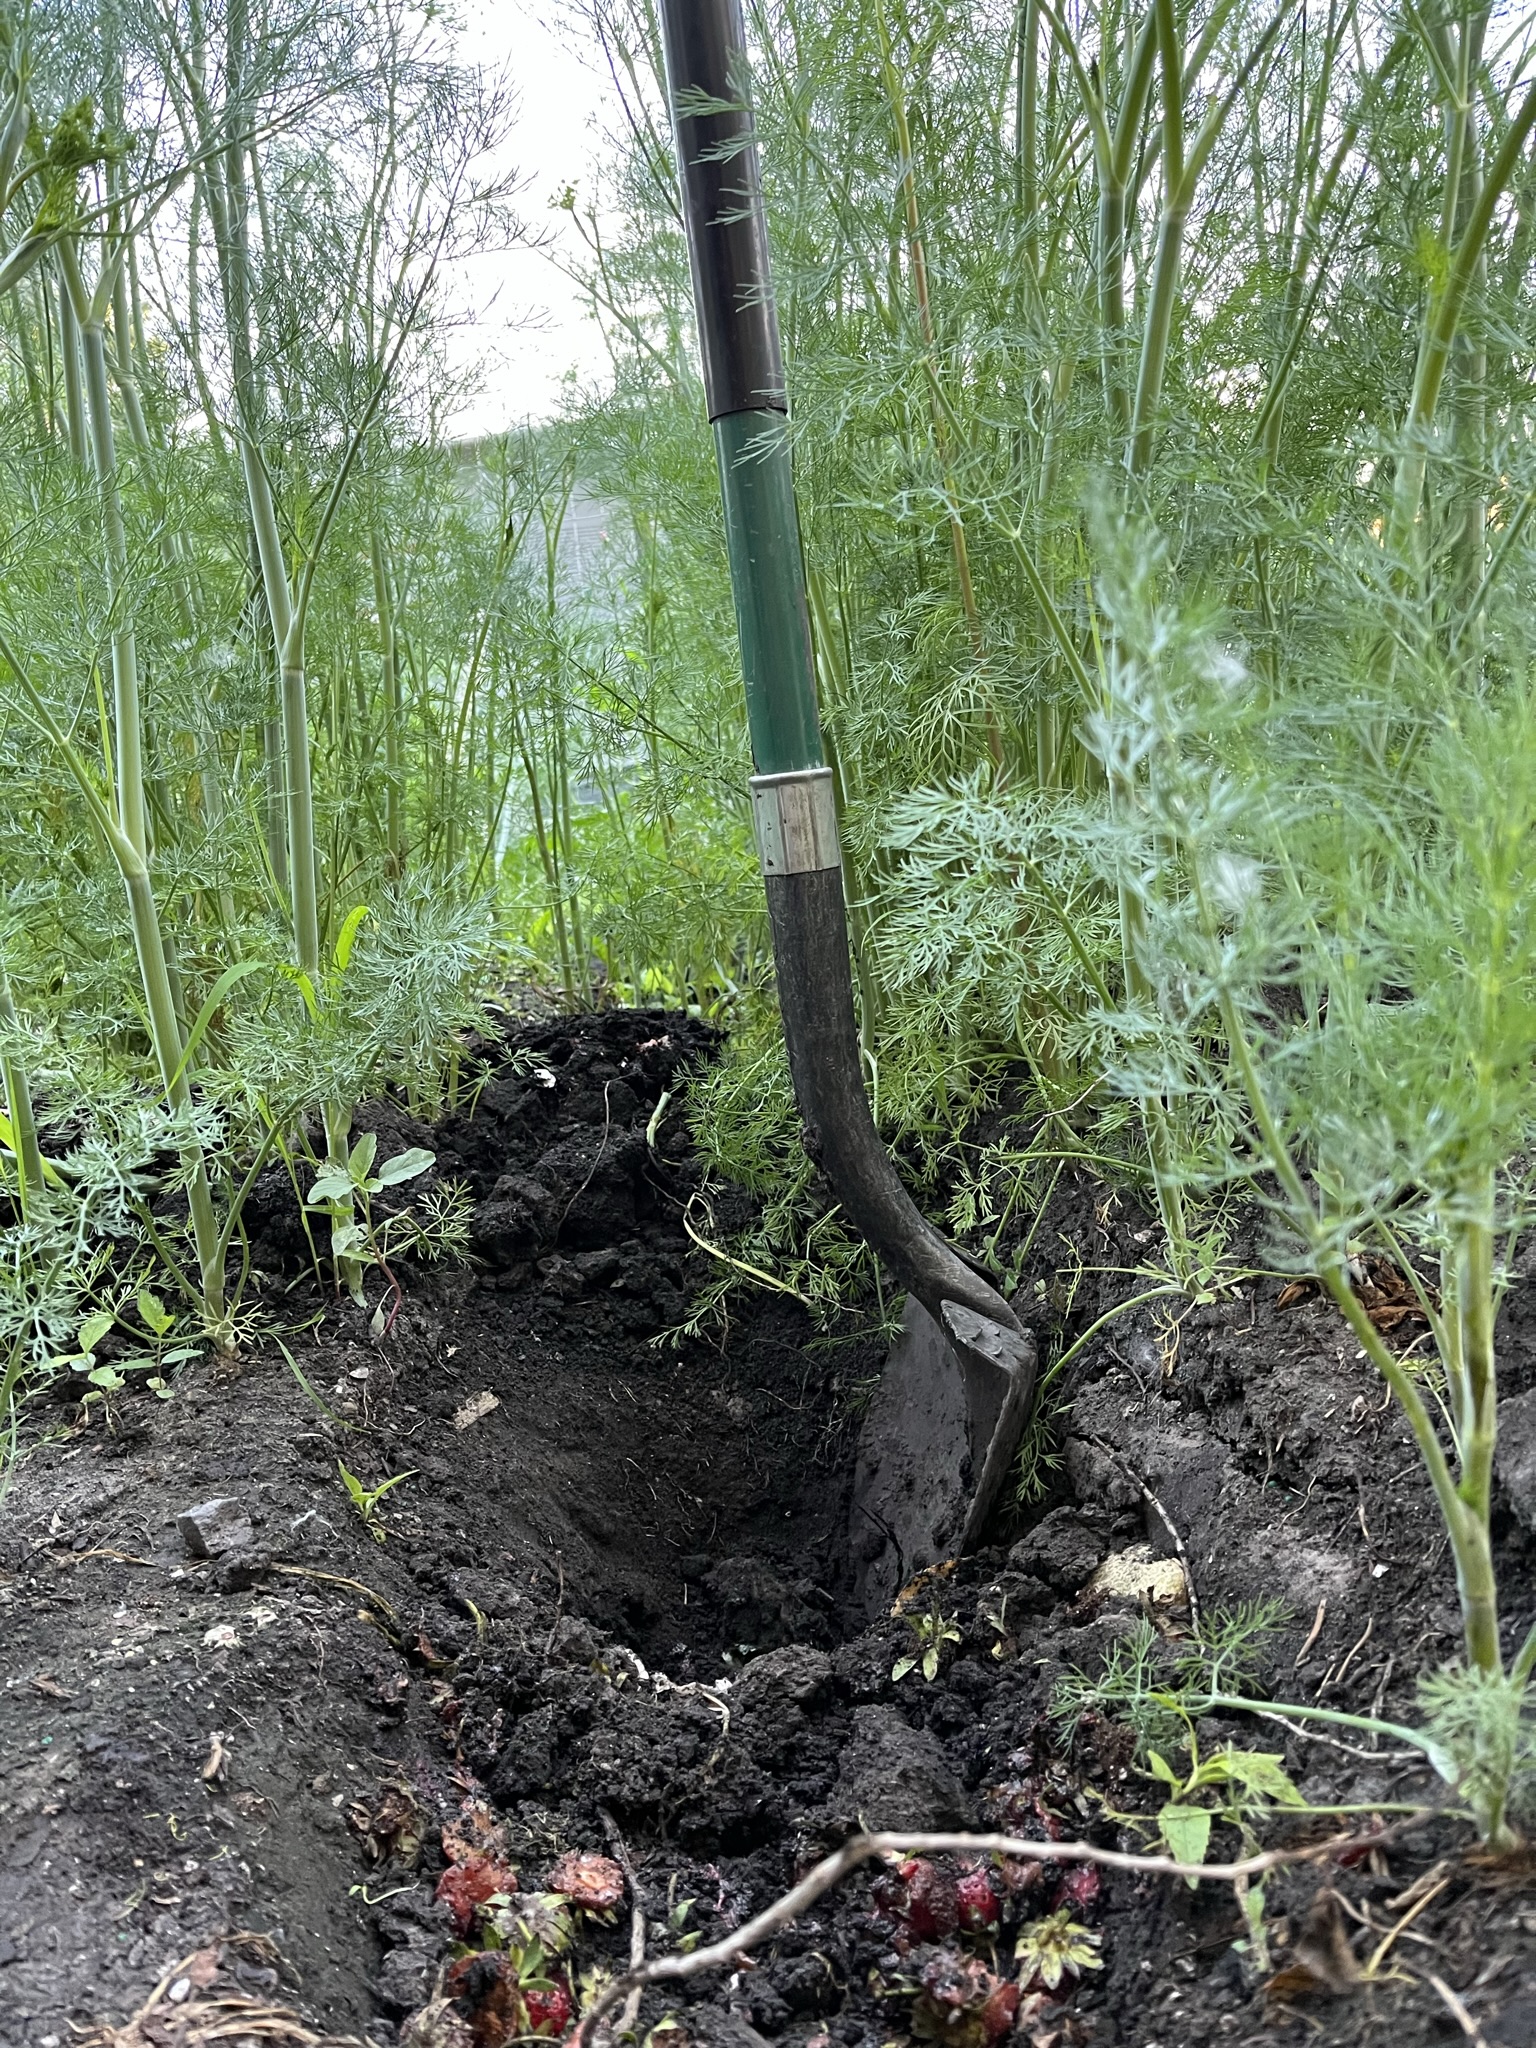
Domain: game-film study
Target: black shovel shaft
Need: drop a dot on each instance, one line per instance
(744, 381)
(810, 951)
(723, 206)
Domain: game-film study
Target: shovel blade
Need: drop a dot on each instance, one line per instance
(936, 1445)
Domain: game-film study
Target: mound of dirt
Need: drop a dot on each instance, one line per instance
(608, 1611)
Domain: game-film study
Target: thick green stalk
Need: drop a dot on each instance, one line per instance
(1465, 1524)
(1026, 133)
(1447, 304)
(1478, 1426)
(1181, 179)
(389, 679)
(23, 313)
(917, 261)
(74, 386)
(1115, 151)
(127, 710)
(164, 1031)
(18, 1105)
(1471, 405)
(299, 806)
(1154, 1110)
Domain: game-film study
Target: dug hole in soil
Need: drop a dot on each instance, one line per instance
(612, 1616)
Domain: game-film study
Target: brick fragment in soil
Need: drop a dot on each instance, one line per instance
(598, 1531)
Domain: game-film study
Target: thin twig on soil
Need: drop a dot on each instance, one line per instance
(1399, 1928)
(861, 1848)
(620, 1849)
(120, 1556)
(1456, 2009)
(597, 1162)
(554, 1626)
(306, 1571)
(1369, 1756)
(1312, 1634)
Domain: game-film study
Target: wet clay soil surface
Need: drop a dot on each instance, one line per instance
(597, 1530)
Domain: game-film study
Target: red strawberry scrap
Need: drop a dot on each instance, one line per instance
(474, 1832)
(976, 1900)
(1018, 1875)
(961, 2002)
(548, 2009)
(594, 1884)
(504, 2007)
(1079, 1888)
(997, 2015)
(921, 1898)
(465, 1887)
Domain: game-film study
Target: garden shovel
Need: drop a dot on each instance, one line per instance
(945, 1423)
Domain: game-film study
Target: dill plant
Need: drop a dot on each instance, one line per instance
(1011, 245)
(1336, 873)
(231, 712)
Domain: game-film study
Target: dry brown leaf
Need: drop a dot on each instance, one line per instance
(1323, 1960)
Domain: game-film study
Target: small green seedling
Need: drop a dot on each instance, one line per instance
(684, 1938)
(366, 1501)
(353, 1237)
(1234, 1785)
(1055, 1948)
(357, 1179)
(109, 1377)
(931, 1631)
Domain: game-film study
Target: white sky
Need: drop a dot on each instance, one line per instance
(524, 326)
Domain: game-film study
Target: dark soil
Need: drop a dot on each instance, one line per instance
(267, 1742)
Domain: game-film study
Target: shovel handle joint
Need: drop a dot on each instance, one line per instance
(795, 818)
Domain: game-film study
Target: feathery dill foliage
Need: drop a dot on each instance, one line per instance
(273, 722)
(1163, 437)
(1162, 421)
(1267, 268)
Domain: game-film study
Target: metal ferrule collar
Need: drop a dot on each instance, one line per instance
(795, 817)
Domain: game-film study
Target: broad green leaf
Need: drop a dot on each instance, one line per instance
(106, 1377)
(1259, 1772)
(305, 987)
(156, 1317)
(208, 1012)
(1187, 1831)
(348, 937)
(360, 1158)
(1162, 1769)
(94, 1328)
(404, 1166)
(331, 1185)
(346, 1240)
